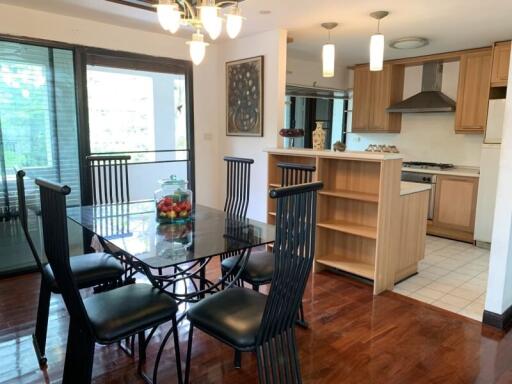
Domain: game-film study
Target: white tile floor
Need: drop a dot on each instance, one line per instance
(453, 276)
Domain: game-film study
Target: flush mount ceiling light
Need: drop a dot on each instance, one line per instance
(200, 14)
(328, 52)
(377, 43)
(409, 43)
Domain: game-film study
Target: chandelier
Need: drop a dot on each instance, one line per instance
(172, 14)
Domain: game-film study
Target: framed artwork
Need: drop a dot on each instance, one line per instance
(244, 92)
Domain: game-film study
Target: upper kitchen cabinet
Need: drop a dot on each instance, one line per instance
(373, 93)
(500, 64)
(473, 92)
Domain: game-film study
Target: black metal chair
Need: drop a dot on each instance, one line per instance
(260, 266)
(88, 270)
(106, 317)
(238, 185)
(250, 321)
(109, 177)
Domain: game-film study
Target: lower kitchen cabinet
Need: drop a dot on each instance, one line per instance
(455, 207)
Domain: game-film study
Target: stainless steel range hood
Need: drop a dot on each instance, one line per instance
(430, 99)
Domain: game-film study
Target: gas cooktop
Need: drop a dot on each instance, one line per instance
(425, 165)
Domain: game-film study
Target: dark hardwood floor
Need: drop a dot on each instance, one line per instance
(353, 338)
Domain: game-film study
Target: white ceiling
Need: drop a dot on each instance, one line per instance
(448, 24)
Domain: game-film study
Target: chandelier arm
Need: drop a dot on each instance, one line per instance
(226, 2)
(186, 5)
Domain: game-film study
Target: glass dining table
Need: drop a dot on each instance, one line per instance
(174, 256)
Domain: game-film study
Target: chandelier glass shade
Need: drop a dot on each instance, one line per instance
(197, 48)
(206, 16)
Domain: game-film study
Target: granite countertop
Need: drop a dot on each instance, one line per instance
(407, 187)
(457, 171)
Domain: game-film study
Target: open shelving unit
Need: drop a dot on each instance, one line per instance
(355, 225)
(348, 208)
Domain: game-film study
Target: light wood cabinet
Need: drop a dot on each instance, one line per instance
(473, 92)
(455, 206)
(373, 93)
(500, 64)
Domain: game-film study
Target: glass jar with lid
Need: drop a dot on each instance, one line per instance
(173, 201)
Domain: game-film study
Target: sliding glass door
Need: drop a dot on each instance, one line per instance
(38, 133)
(60, 103)
(140, 109)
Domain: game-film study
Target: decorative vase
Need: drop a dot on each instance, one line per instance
(339, 146)
(319, 136)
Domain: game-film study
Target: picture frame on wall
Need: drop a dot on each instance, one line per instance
(245, 97)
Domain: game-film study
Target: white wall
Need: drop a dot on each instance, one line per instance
(427, 136)
(272, 45)
(499, 286)
(29, 23)
(307, 72)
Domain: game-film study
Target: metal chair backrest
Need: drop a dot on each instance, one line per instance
(238, 185)
(56, 245)
(109, 177)
(23, 215)
(293, 174)
(294, 252)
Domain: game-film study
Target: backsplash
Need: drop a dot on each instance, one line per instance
(426, 137)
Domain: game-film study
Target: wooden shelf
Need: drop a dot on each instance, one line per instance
(274, 185)
(355, 267)
(352, 195)
(272, 213)
(348, 227)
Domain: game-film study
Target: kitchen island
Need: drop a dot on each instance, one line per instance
(369, 223)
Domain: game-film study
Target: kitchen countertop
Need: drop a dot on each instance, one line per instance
(457, 171)
(407, 187)
(332, 154)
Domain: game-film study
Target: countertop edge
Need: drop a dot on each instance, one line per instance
(463, 172)
(333, 154)
(408, 188)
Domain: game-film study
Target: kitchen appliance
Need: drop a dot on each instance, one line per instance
(424, 178)
(430, 99)
(426, 165)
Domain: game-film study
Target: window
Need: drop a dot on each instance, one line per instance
(38, 123)
(136, 111)
(25, 110)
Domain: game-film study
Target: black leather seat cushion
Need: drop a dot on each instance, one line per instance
(89, 270)
(121, 312)
(233, 316)
(259, 268)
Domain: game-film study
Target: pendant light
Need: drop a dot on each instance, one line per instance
(169, 15)
(197, 47)
(328, 52)
(377, 43)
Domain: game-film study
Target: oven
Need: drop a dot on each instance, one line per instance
(424, 178)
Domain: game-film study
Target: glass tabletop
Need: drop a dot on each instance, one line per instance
(133, 228)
